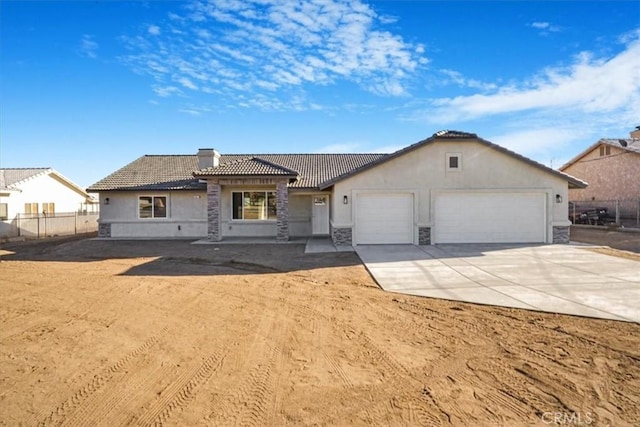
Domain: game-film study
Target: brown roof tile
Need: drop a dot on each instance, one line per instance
(175, 172)
(172, 172)
(312, 171)
(253, 166)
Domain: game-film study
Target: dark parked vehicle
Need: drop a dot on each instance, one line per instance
(591, 216)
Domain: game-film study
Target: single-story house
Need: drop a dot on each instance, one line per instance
(612, 168)
(29, 192)
(451, 187)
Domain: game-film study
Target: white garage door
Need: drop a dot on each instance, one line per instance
(384, 218)
(480, 217)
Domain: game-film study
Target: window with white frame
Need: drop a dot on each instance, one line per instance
(253, 205)
(454, 162)
(152, 206)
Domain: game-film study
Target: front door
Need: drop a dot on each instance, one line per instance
(320, 215)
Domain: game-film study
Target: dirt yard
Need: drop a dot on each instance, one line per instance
(147, 333)
(623, 240)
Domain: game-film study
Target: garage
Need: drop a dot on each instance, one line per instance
(490, 217)
(384, 218)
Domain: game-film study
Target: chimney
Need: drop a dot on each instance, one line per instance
(208, 158)
(635, 133)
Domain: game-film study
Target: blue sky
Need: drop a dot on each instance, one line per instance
(88, 86)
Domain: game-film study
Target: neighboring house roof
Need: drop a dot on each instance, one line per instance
(630, 145)
(9, 177)
(12, 178)
(457, 135)
(312, 171)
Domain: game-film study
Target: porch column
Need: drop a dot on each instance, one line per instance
(282, 211)
(213, 210)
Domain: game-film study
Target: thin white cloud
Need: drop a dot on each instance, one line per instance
(184, 81)
(388, 19)
(588, 86)
(166, 91)
(547, 114)
(545, 27)
(262, 46)
(88, 47)
(457, 78)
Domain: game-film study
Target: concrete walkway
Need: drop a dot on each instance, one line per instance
(555, 278)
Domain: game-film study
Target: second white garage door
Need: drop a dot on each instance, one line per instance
(384, 218)
(484, 217)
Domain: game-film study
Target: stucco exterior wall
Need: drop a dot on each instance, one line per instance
(186, 215)
(612, 177)
(423, 172)
(43, 189)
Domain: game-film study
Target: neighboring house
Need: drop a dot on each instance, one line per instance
(451, 187)
(27, 192)
(611, 166)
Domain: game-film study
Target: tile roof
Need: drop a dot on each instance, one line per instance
(11, 176)
(631, 145)
(253, 166)
(454, 135)
(176, 172)
(312, 171)
(150, 172)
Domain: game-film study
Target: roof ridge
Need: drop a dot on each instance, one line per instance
(37, 168)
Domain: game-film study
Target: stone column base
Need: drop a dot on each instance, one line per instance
(424, 235)
(560, 234)
(104, 229)
(341, 236)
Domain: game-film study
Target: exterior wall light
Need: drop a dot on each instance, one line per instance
(345, 200)
(558, 198)
(106, 201)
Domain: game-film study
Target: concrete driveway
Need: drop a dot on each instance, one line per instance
(555, 278)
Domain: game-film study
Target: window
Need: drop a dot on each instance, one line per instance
(253, 205)
(49, 208)
(152, 206)
(4, 211)
(31, 208)
(454, 162)
(605, 150)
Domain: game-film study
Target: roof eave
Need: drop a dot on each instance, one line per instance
(246, 175)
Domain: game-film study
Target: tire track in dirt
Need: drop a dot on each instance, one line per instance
(255, 399)
(180, 392)
(515, 384)
(338, 371)
(77, 399)
(497, 400)
(401, 375)
(396, 372)
(249, 403)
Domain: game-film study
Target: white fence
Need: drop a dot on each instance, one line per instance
(625, 213)
(48, 225)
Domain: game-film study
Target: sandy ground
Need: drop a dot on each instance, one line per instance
(141, 333)
(622, 240)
